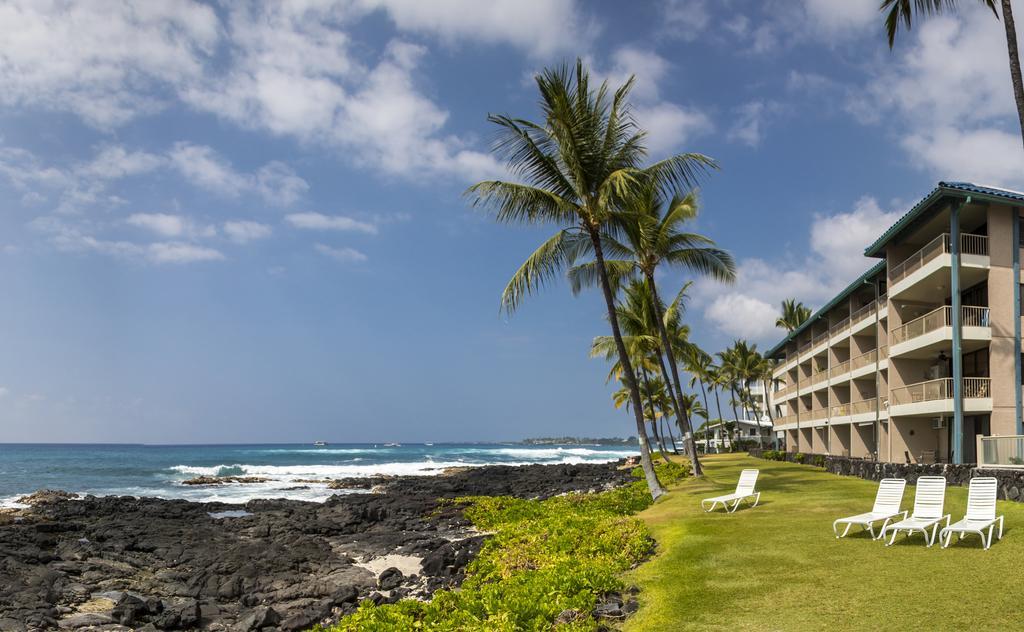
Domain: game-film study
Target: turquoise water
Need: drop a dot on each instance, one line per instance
(142, 470)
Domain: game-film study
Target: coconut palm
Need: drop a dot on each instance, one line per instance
(648, 232)
(904, 11)
(698, 364)
(574, 170)
(794, 314)
(636, 320)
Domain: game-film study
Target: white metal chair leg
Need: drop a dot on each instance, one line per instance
(757, 499)
(871, 530)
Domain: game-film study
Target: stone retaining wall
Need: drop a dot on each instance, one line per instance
(1011, 481)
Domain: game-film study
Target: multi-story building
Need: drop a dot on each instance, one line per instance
(921, 355)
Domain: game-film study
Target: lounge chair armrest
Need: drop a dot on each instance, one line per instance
(905, 512)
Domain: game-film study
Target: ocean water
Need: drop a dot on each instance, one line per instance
(158, 471)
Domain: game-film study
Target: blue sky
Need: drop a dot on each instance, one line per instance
(226, 224)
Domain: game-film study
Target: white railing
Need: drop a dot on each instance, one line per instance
(863, 312)
(1007, 451)
(970, 316)
(969, 245)
(942, 388)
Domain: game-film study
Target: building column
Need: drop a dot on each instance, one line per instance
(958, 373)
(1016, 322)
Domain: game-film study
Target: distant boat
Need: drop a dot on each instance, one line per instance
(320, 444)
(392, 445)
(428, 444)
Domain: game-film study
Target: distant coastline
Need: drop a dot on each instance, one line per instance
(578, 441)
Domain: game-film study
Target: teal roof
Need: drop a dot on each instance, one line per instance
(943, 190)
(874, 270)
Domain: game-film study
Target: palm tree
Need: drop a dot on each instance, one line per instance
(697, 363)
(793, 315)
(647, 232)
(635, 316)
(691, 408)
(576, 167)
(903, 12)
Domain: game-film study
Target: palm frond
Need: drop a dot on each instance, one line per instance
(554, 255)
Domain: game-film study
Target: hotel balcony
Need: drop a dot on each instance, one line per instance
(814, 418)
(926, 335)
(935, 397)
(927, 271)
(785, 422)
(856, 412)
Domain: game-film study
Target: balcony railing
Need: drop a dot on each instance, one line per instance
(864, 360)
(863, 312)
(788, 419)
(883, 352)
(942, 388)
(971, 316)
(815, 415)
(869, 405)
(822, 337)
(839, 369)
(969, 245)
(837, 328)
(819, 377)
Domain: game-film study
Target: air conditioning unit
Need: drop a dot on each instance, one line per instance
(938, 422)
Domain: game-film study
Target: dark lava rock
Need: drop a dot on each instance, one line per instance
(46, 496)
(287, 566)
(390, 578)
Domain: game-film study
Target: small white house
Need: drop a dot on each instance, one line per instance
(718, 438)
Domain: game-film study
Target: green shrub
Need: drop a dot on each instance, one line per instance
(543, 557)
(798, 457)
(818, 460)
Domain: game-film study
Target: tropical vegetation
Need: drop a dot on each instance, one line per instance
(582, 170)
(794, 314)
(545, 558)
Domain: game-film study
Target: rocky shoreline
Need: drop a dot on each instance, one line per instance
(123, 563)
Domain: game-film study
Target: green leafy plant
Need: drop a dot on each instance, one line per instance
(543, 557)
(798, 457)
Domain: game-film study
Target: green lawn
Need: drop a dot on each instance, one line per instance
(779, 567)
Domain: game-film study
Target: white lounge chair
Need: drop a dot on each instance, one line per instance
(981, 513)
(744, 489)
(927, 514)
(887, 507)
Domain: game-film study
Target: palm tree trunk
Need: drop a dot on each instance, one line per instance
(707, 407)
(653, 484)
(682, 420)
(667, 426)
(736, 418)
(654, 416)
(674, 385)
(1015, 75)
(768, 409)
(718, 403)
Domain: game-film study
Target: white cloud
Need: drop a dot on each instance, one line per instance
(179, 252)
(106, 62)
(842, 17)
(669, 125)
(287, 68)
(318, 221)
(542, 28)
(69, 237)
(948, 98)
(243, 231)
(345, 254)
(684, 19)
(4, 392)
(748, 127)
(167, 225)
(202, 166)
(291, 73)
(835, 256)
